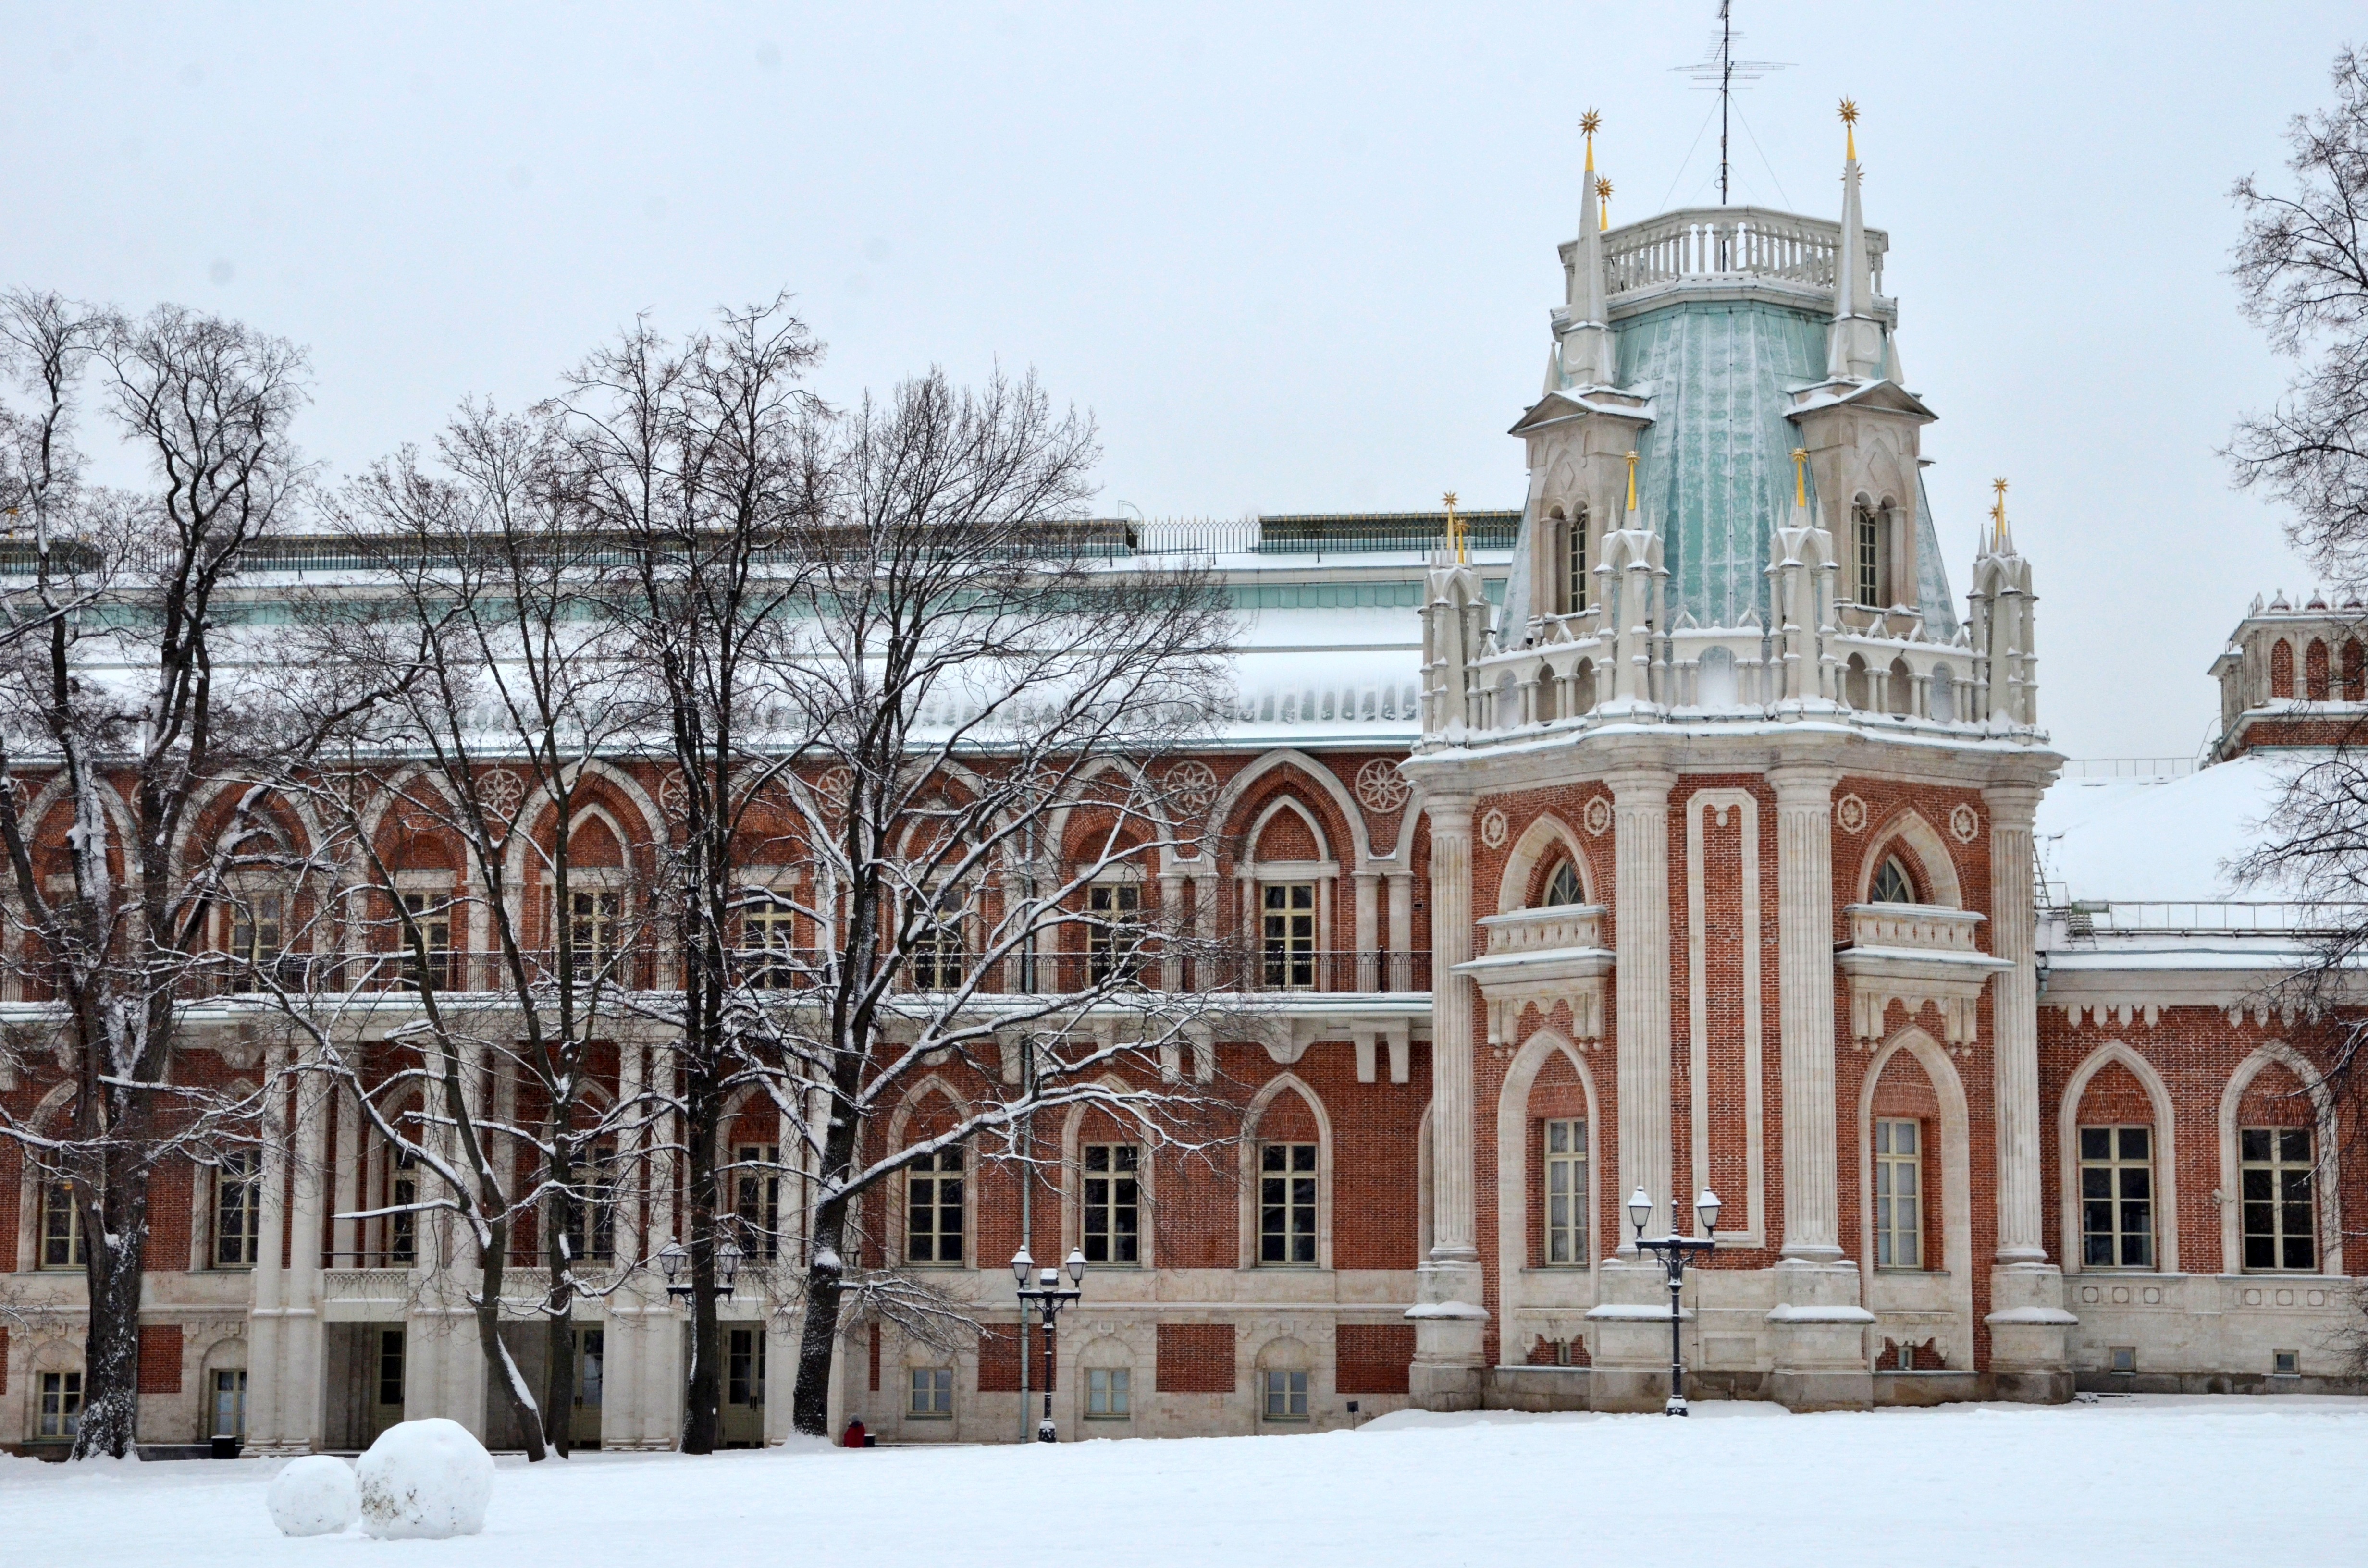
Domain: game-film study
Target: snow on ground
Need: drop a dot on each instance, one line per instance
(2162, 1481)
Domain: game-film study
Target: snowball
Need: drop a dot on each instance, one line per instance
(424, 1479)
(314, 1495)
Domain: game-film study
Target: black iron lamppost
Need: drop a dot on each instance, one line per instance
(1050, 1298)
(1673, 1250)
(674, 1257)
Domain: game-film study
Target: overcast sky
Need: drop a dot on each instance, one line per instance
(1292, 257)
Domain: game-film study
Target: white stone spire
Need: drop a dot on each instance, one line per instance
(1587, 341)
(1855, 351)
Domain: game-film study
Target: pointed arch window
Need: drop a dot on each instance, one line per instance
(1576, 562)
(1562, 887)
(1892, 884)
(1868, 529)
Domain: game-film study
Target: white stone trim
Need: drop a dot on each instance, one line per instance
(2166, 1155)
(2330, 1194)
(1705, 806)
(1956, 1184)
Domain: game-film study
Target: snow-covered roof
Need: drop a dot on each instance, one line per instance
(2156, 839)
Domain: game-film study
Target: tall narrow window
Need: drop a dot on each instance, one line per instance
(2280, 1198)
(1115, 932)
(1288, 933)
(591, 1208)
(238, 1204)
(768, 943)
(390, 1367)
(1578, 555)
(743, 1368)
(933, 1209)
(255, 930)
(61, 1237)
(433, 916)
(230, 1403)
(1891, 883)
(1566, 1157)
(403, 1225)
(1112, 1203)
(757, 1197)
(2117, 1196)
(938, 948)
(1898, 1195)
(1287, 1203)
(1870, 559)
(61, 1404)
(592, 931)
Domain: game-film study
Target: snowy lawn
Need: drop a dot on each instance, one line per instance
(2154, 1480)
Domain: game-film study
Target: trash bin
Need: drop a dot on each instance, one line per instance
(225, 1448)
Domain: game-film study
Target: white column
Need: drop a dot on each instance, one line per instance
(1452, 1233)
(2030, 1327)
(1641, 911)
(1451, 1325)
(1368, 936)
(299, 1404)
(1804, 985)
(265, 1375)
(2014, 1012)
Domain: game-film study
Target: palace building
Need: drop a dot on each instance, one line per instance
(1682, 831)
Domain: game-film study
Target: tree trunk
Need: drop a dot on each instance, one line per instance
(817, 1345)
(497, 1354)
(115, 1230)
(703, 1413)
(559, 1375)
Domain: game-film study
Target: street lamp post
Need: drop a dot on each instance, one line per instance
(674, 1257)
(1050, 1296)
(1673, 1250)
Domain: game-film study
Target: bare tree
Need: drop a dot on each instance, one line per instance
(962, 670)
(495, 698)
(2302, 269)
(696, 461)
(117, 684)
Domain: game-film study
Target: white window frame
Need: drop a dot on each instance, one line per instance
(756, 1184)
(1569, 1164)
(249, 1173)
(1890, 1164)
(50, 1192)
(1109, 1393)
(1283, 1392)
(2115, 1165)
(934, 1169)
(1283, 957)
(2275, 1168)
(57, 1396)
(1111, 1177)
(929, 1393)
(1293, 1175)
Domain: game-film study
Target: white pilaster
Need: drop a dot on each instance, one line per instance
(1805, 990)
(1640, 809)
(1450, 1322)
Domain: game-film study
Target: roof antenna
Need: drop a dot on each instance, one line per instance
(1720, 71)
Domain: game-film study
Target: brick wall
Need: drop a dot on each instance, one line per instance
(1374, 1357)
(160, 1358)
(1196, 1358)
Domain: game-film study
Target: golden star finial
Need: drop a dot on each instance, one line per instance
(1848, 112)
(1590, 122)
(1999, 485)
(1454, 525)
(1603, 194)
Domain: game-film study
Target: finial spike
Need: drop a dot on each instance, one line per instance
(1603, 194)
(1454, 526)
(1801, 477)
(1631, 478)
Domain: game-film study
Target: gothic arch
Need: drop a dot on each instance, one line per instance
(1253, 1118)
(1323, 779)
(1546, 835)
(1956, 1180)
(1073, 1178)
(1925, 846)
(2166, 1154)
(1279, 806)
(2329, 1193)
(892, 1234)
(1513, 1165)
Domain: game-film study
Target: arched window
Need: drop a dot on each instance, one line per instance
(2282, 668)
(1562, 887)
(1868, 531)
(1575, 557)
(1892, 883)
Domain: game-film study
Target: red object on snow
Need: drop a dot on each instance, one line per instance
(854, 1437)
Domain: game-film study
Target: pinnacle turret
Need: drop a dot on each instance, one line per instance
(1855, 351)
